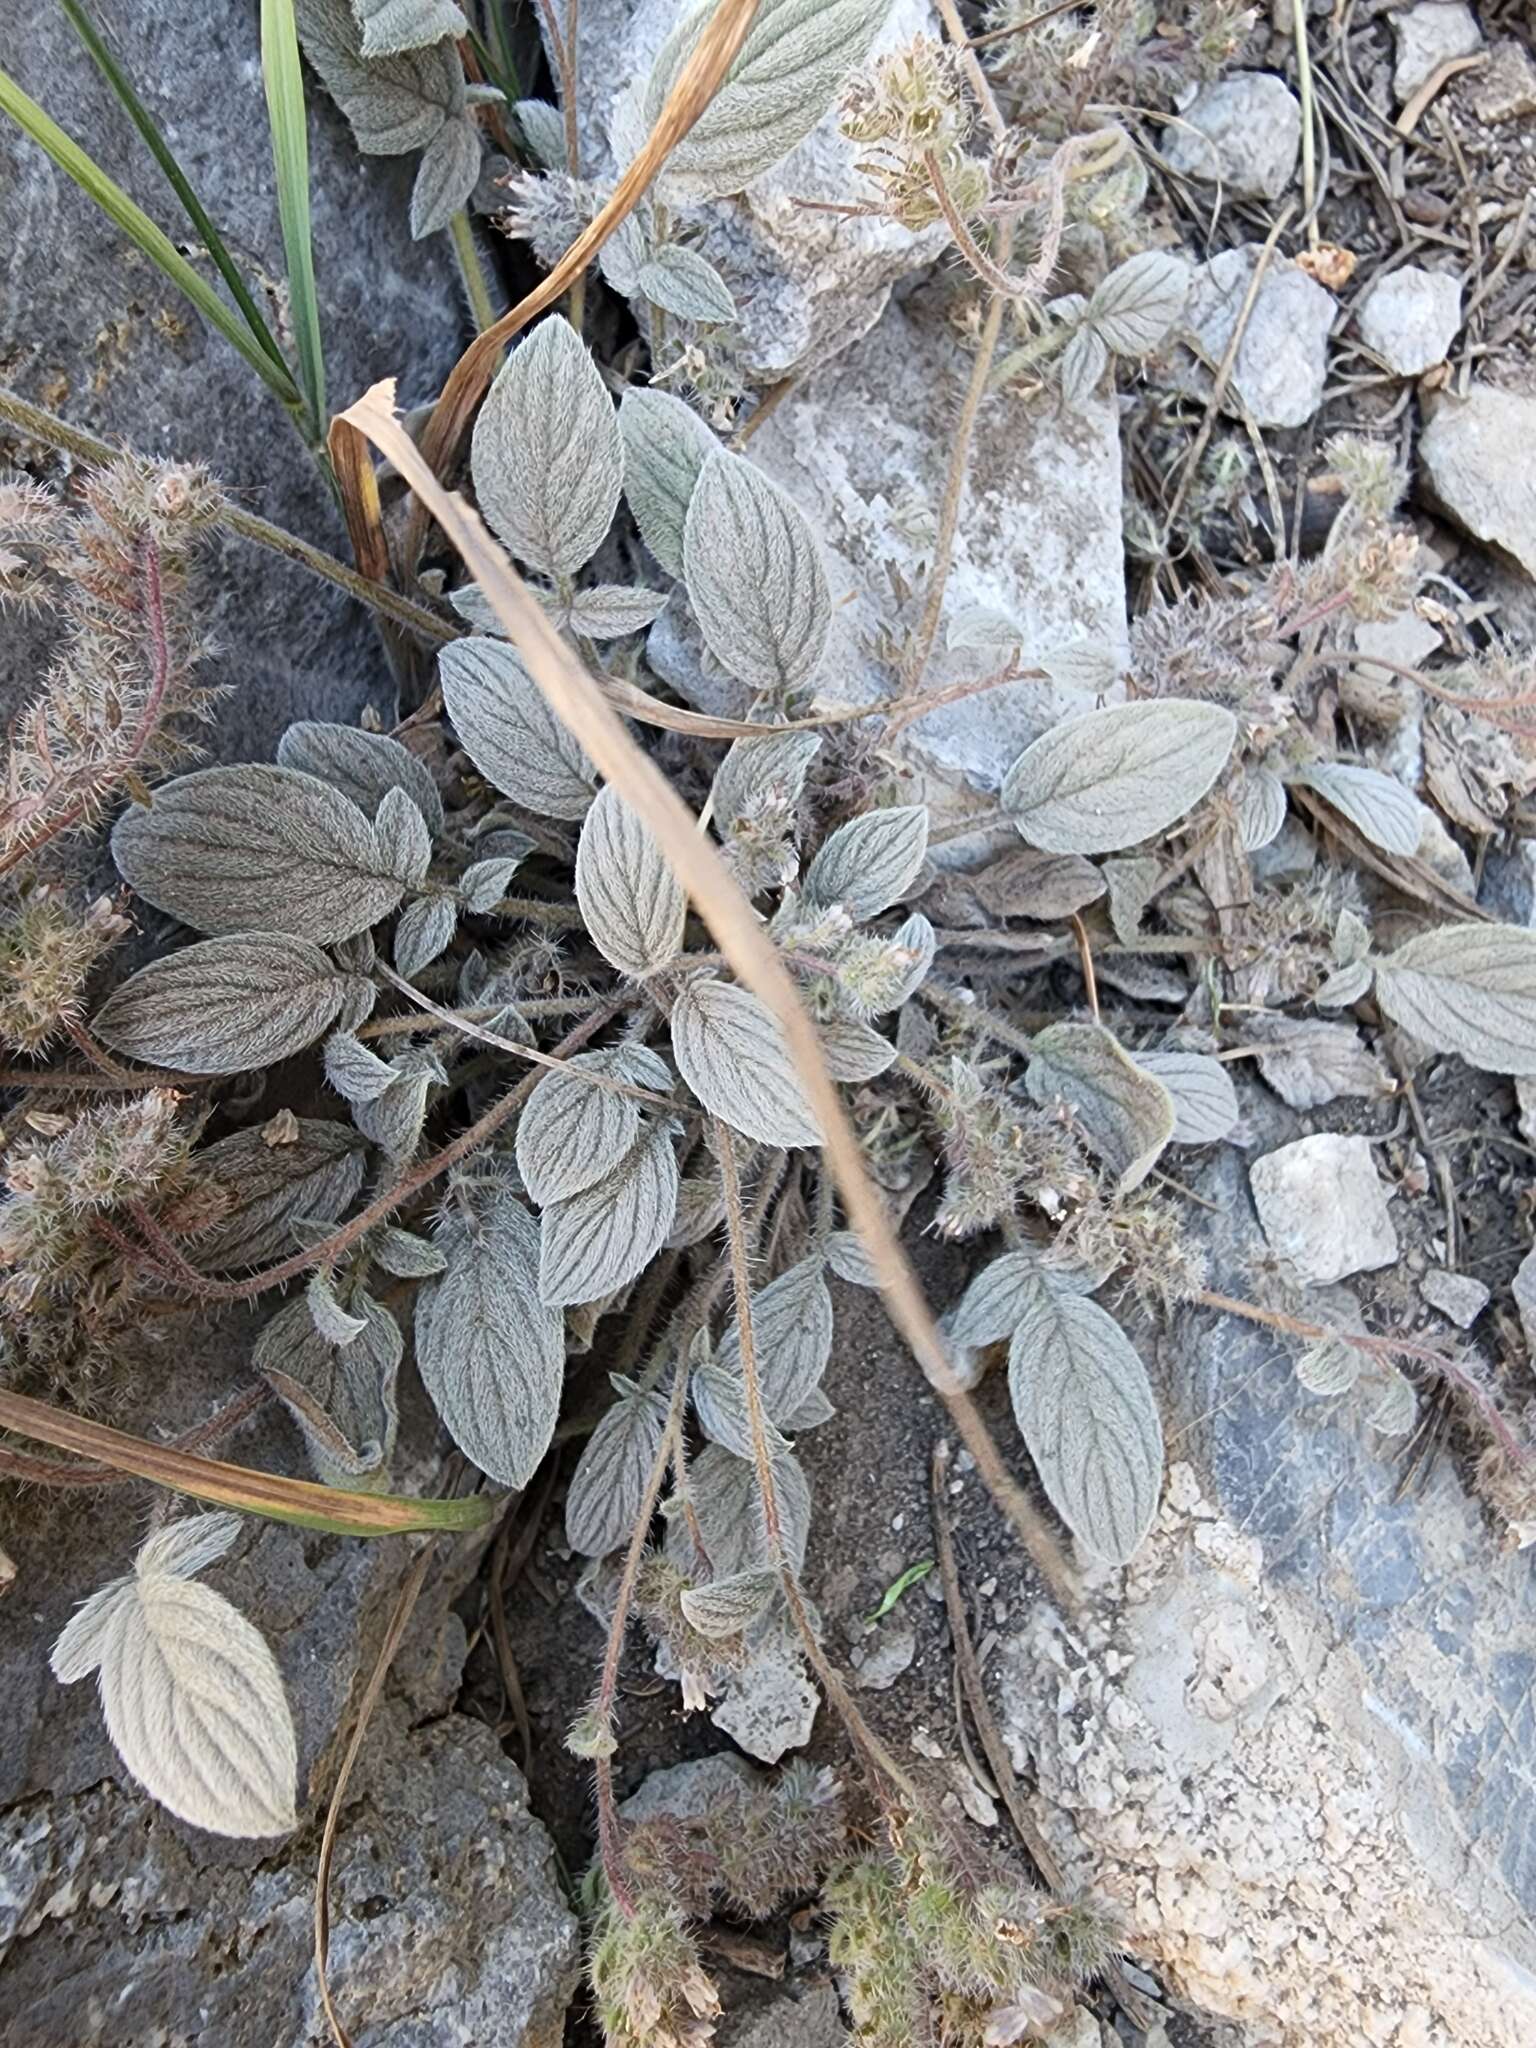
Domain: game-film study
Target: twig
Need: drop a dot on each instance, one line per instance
(62, 1472)
(1413, 112)
(1308, 119)
(394, 1635)
(472, 271)
(1085, 954)
(1225, 369)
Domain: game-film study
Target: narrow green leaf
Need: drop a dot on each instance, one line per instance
(912, 1576)
(160, 150)
(150, 240)
(286, 115)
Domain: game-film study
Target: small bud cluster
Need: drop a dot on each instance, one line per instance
(909, 107)
(48, 950)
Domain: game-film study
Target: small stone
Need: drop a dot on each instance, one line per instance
(1282, 360)
(1509, 885)
(1323, 1207)
(1456, 1295)
(1524, 1291)
(1428, 35)
(1410, 317)
(1249, 133)
(1407, 640)
(884, 1664)
(1506, 89)
(686, 1791)
(811, 2020)
(1476, 467)
(770, 1706)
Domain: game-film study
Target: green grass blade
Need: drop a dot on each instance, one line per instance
(290, 159)
(102, 57)
(150, 240)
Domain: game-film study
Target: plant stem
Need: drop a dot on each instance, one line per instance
(476, 287)
(47, 427)
(68, 1472)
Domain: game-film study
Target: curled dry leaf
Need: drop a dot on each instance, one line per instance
(342, 1395)
(269, 1188)
(1125, 1111)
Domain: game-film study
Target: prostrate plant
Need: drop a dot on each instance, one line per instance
(551, 1092)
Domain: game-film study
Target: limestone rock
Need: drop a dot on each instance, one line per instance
(770, 1705)
(807, 284)
(687, 1791)
(105, 340)
(1506, 90)
(1282, 360)
(1427, 35)
(1475, 465)
(787, 2019)
(1248, 135)
(1410, 318)
(1323, 1207)
(448, 1925)
(862, 447)
(1458, 1296)
(1280, 1739)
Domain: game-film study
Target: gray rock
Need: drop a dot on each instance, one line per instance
(686, 1791)
(1323, 1207)
(787, 2019)
(448, 1926)
(808, 284)
(770, 1705)
(1427, 35)
(1410, 318)
(884, 1664)
(862, 447)
(1248, 134)
(1457, 1296)
(1524, 1290)
(1282, 360)
(125, 1927)
(1506, 89)
(1280, 1741)
(105, 340)
(1474, 458)
(1509, 885)
(1407, 639)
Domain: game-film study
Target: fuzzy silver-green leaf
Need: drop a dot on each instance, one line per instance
(731, 1051)
(755, 577)
(1110, 779)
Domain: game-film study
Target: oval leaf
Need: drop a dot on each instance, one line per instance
(313, 1170)
(991, 1307)
(681, 281)
(1260, 809)
(724, 1496)
(1085, 1409)
(257, 849)
(792, 1333)
(755, 577)
(491, 1354)
(341, 1395)
(784, 78)
(362, 765)
(595, 1242)
(1377, 805)
(608, 1485)
(871, 862)
(724, 1607)
(731, 1052)
(1140, 300)
(666, 444)
(1204, 1100)
(227, 1005)
(1110, 779)
(571, 1134)
(509, 731)
(547, 459)
(1127, 1114)
(1468, 989)
(191, 1693)
(630, 900)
